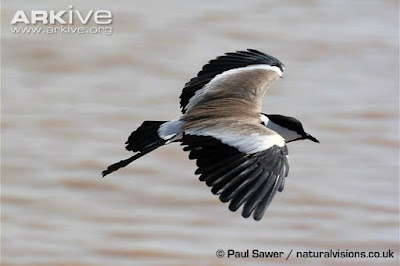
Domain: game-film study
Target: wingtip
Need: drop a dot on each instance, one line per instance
(257, 218)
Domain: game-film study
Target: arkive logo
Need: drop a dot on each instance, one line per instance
(63, 17)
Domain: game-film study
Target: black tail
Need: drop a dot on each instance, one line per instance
(145, 136)
(143, 140)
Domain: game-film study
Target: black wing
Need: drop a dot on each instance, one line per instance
(249, 179)
(221, 64)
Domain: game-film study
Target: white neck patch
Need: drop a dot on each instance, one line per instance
(287, 134)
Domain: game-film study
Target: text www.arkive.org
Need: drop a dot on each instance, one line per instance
(62, 30)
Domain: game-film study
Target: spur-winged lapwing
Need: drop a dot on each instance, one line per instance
(240, 152)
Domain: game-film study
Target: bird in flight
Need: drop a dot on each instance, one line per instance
(240, 152)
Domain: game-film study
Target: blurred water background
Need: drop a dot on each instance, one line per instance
(70, 101)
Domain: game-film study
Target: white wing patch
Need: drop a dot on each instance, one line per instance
(249, 144)
(223, 76)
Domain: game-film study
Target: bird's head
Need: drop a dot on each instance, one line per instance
(288, 127)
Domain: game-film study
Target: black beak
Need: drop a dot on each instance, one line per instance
(308, 136)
